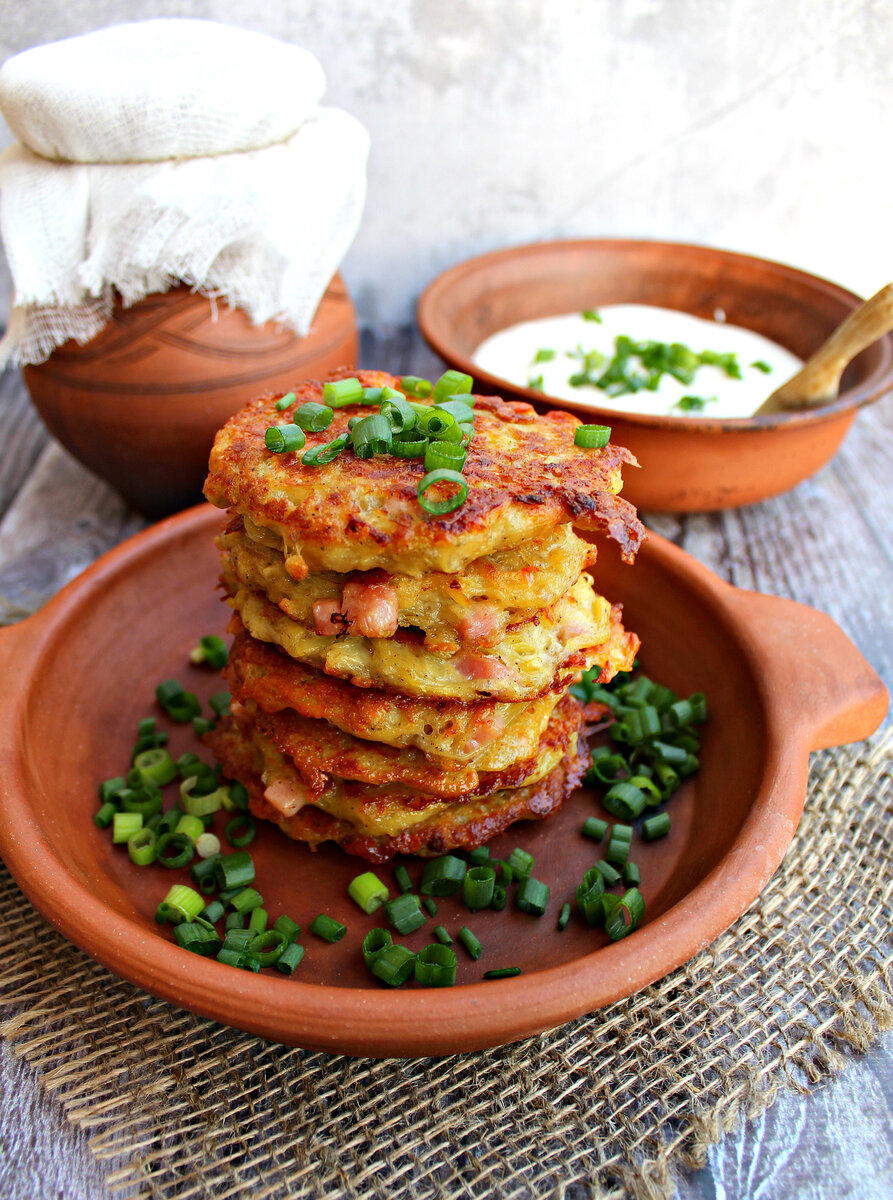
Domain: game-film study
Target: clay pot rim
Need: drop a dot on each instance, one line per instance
(436, 330)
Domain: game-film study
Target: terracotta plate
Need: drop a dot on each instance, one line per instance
(781, 679)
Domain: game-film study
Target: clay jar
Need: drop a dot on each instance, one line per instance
(140, 403)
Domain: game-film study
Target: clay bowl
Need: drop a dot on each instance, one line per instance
(140, 403)
(781, 680)
(688, 464)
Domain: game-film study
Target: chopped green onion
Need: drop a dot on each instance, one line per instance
(232, 958)
(282, 439)
(184, 708)
(211, 650)
(394, 965)
(213, 912)
(238, 939)
(168, 691)
(327, 928)
(182, 903)
(532, 896)
(375, 942)
(564, 916)
(608, 873)
(624, 800)
(434, 423)
(342, 393)
(240, 831)
(319, 456)
(104, 817)
(141, 847)
(429, 906)
(401, 878)
(125, 825)
(192, 827)
(500, 898)
(267, 946)
(435, 966)
(656, 827)
(289, 959)
(404, 912)
(196, 802)
(441, 507)
(285, 401)
(202, 725)
(286, 925)
(506, 874)
(236, 797)
(592, 437)
(623, 833)
(589, 895)
(196, 937)
(207, 845)
(167, 821)
(257, 920)
(617, 850)
(502, 973)
(625, 915)
(470, 942)
(761, 365)
(452, 383)
(545, 355)
(246, 899)
(367, 891)
(373, 435)
(443, 876)
(413, 385)
(632, 877)
(109, 788)
(313, 417)
(399, 412)
(220, 702)
(234, 920)
(440, 455)
(373, 395)
(144, 800)
(458, 407)
(234, 870)
(521, 863)
(442, 936)
(594, 828)
(477, 887)
(413, 448)
(592, 314)
(202, 872)
(479, 856)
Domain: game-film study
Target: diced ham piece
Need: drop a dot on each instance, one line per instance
(371, 609)
(286, 797)
(487, 730)
(327, 617)
(481, 666)
(480, 625)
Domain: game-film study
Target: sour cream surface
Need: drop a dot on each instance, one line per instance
(511, 354)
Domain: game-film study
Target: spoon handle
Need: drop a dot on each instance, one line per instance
(818, 379)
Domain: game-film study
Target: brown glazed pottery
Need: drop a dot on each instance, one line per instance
(781, 679)
(140, 403)
(688, 463)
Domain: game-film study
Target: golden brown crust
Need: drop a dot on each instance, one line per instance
(456, 825)
(524, 475)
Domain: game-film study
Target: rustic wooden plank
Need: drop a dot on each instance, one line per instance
(22, 435)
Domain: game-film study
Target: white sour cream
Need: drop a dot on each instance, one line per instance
(511, 354)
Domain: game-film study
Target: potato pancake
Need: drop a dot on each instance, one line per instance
(472, 608)
(525, 476)
(536, 656)
(378, 823)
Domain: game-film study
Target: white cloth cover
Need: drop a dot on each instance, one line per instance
(256, 202)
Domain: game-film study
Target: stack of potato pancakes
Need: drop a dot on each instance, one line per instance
(399, 679)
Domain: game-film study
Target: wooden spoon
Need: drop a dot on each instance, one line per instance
(818, 380)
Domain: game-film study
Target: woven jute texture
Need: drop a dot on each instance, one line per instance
(610, 1105)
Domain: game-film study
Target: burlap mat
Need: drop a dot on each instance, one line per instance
(607, 1106)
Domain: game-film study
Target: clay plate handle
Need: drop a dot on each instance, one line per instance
(818, 380)
(818, 686)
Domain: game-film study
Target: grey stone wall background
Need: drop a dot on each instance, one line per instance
(761, 125)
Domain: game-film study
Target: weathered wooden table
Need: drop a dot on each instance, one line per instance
(829, 543)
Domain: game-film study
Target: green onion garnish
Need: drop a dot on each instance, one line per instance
(211, 650)
(521, 863)
(470, 942)
(401, 878)
(763, 366)
(564, 916)
(286, 401)
(404, 912)
(394, 965)
(442, 936)
(289, 958)
(545, 355)
(458, 408)
(267, 946)
(434, 423)
(202, 725)
(632, 877)
(592, 437)
(327, 928)
(532, 896)
(192, 827)
(500, 898)
(594, 828)
(444, 455)
(213, 912)
(234, 870)
(240, 831)
(656, 827)
(319, 456)
(245, 900)
(399, 412)
(429, 906)
(202, 873)
(413, 385)
(367, 891)
(373, 395)
(452, 383)
(411, 448)
(477, 887)
(282, 439)
(342, 393)
(624, 800)
(174, 850)
(608, 874)
(286, 925)
(440, 507)
(592, 314)
(375, 942)
(181, 904)
(198, 938)
(125, 825)
(435, 966)
(104, 817)
(141, 847)
(626, 914)
(373, 435)
(220, 702)
(502, 973)
(479, 856)
(443, 876)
